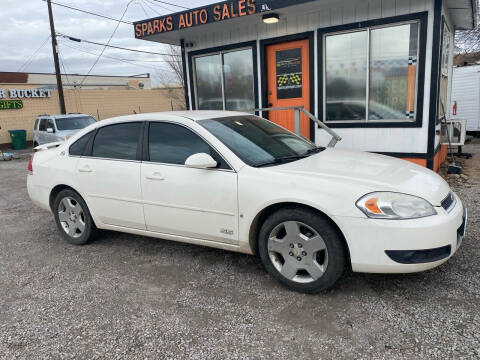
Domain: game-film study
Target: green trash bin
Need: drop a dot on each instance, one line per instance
(19, 139)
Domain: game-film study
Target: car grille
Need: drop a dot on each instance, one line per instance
(449, 202)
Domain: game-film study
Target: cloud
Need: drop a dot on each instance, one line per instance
(25, 27)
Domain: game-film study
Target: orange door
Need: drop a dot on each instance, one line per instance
(288, 73)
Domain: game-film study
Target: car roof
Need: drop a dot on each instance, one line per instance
(61, 116)
(171, 115)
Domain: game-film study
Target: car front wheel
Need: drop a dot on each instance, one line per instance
(302, 250)
(73, 218)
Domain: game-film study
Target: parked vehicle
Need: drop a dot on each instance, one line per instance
(238, 182)
(53, 128)
(465, 94)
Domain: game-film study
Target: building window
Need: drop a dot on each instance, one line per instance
(224, 81)
(371, 74)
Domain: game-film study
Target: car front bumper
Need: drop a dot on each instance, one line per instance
(403, 246)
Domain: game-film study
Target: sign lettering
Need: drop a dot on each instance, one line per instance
(11, 104)
(187, 19)
(26, 93)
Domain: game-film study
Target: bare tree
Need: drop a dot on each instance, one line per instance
(173, 79)
(468, 41)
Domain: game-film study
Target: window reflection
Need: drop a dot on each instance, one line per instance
(346, 76)
(390, 65)
(236, 67)
(393, 61)
(238, 77)
(208, 71)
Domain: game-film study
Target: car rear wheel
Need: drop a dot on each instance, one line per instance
(73, 218)
(302, 250)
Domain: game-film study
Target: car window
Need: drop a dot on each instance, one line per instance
(35, 127)
(117, 141)
(174, 144)
(258, 141)
(43, 125)
(74, 123)
(50, 124)
(78, 147)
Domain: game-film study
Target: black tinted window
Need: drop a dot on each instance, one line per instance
(50, 124)
(173, 144)
(78, 147)
(117, 141)
(43, 124)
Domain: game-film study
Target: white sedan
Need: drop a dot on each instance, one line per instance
(238, 182)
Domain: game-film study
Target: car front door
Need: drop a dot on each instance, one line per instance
(49, 134)
(109, 175)
(42, 130)
(183, 201)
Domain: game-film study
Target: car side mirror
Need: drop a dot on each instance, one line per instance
(201, 161)
(50, 130)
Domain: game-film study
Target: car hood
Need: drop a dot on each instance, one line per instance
(371, 172)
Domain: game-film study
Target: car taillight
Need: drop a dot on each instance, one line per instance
(30, 164)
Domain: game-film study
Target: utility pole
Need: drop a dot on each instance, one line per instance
(61, 98)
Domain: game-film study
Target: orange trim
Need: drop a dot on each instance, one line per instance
(411, 80)
(421, 162)
(440, 157)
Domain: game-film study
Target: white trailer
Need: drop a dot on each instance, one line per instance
(466, 95)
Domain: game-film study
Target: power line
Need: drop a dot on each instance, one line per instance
(108, 42)
(151, 8)
(91, 13)
(128, 61)
(31, 57)
(167, 3)
(112, 46)
(160, 6)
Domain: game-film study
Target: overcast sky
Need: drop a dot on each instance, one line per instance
(25, 28)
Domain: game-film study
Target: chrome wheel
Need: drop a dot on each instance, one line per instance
(298, 252)
(71, 217)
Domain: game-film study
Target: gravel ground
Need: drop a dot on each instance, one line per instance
(127, 296)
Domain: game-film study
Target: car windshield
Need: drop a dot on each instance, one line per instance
(259, 142)
(74, 123)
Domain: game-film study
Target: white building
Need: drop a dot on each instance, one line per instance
(379, 71)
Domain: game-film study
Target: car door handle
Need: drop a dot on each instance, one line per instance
(85, 169)
(155, 176)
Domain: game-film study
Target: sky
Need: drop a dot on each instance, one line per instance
(25, 28)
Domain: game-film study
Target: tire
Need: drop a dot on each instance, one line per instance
(35, 144)
(73, 218)
(302, 250)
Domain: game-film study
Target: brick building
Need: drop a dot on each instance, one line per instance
(25, 96)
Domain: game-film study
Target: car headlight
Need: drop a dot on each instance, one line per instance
(395, 206)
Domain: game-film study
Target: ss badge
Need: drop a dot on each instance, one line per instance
(226, 231)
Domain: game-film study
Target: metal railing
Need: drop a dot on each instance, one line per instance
(300, 109)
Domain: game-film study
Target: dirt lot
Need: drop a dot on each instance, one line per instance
(126, 296)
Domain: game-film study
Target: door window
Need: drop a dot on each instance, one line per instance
(174, 144)
(78, 147)
(50, 124)
(119, 141)
(288, 65)
(43, 125)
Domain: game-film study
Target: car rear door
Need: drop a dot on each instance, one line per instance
(178, 200)
(109, 175)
